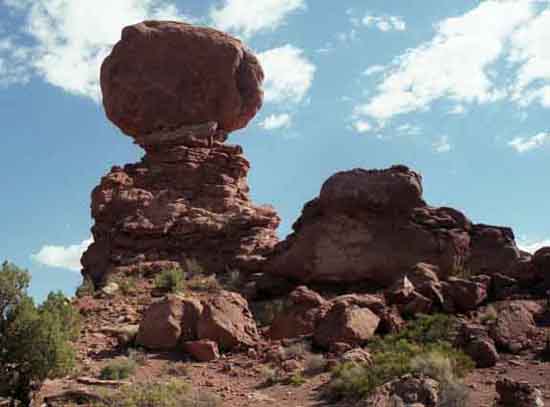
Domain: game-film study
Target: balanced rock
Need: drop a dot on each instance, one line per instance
(165, 74)
(178, 90)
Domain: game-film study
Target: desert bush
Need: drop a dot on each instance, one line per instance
(86, 288)
(118, 370)
(297, 350)
(138, 356)
(315, 364)
(271, 375)
(176, 369)
(173, 393)
(127, 284)
(34, 340)
(423, 347)
(204, 283)
(171, 280)
(296, 379)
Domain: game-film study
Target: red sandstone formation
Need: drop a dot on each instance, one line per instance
(177, 90)
(164, 74)
(372, 225)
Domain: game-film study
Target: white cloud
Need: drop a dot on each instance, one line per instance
(373, 69)
(249, 17)
(409, 129)
(458, 109)
(525, 144)
(442, 145)
(362, 126)
(277, 121)
(533, 246)
(64, 257)
(288, 74)
(71, 38)
(385, 23)
(453, 64)
(13, 66)
(529, 49)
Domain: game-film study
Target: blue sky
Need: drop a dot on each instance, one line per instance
(459, 91)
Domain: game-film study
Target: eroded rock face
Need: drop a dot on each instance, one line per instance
(165, 74)
(373, 225)
(178, 90)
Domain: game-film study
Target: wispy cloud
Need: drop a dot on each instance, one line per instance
(276, 121)
(531, 246)
(288, 74)
(247, 17)
(63, 257)
(385, 23)
(362, 126)
(525, 144)
(442, 145)
(69, 39)
(455, 63)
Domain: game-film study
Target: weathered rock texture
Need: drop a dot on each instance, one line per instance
(164, 74)
(374, 225)
(177, 90)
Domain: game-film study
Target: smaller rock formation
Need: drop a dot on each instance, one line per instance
(518, 394)
(408, 390)
(373, 225)
(475, 342)
(223, 319)
(202, 351)
(302, 314)
(514, 327)
(227, 321)
(346, 322)
(160, 328)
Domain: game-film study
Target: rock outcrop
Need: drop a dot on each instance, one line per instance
(178, 90)
(373, 225)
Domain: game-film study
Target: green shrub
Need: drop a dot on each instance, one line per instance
(171, 280)
(315, 364)
(423, 346)
(34, 340)
(127, 285)
(297, 379)
(118, 370)
(173, 393)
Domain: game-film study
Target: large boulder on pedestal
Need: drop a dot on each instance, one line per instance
(165, 74)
